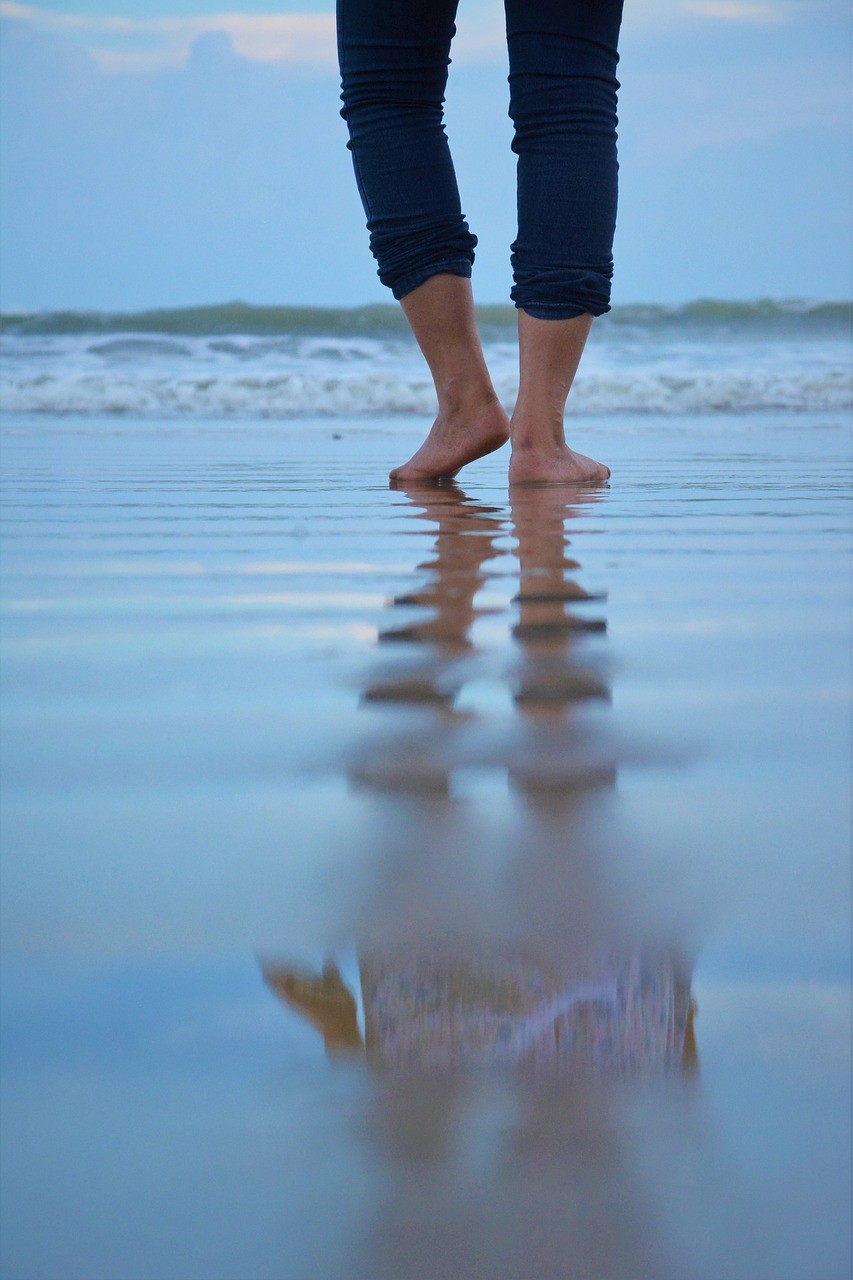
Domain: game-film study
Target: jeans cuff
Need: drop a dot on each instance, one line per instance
(559, 310)
(453, 267)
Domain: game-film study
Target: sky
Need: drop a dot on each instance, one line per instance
(169, 154)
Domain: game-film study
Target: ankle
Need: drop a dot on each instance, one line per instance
(466, 397)
(537, 435)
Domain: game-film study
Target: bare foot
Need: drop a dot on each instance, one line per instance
(456, 439)
(554, 465)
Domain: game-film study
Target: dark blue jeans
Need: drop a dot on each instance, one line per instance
(394, 56)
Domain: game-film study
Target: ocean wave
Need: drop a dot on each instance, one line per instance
(228, 319)
(385, 394)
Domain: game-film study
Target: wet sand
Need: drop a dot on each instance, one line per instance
(424, 883)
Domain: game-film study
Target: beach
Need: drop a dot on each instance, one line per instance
(437, 882)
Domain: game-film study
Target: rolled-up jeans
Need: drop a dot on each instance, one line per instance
(394, 56)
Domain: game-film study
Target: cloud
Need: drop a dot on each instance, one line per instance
(138, 45)
(149, 44)
(122, 44)
(734, 11)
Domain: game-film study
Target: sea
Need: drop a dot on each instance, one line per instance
(241, 361)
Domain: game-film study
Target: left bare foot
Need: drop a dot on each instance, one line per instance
(554, 465)
(456, 439)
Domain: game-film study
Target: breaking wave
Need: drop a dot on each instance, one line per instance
(256, 362)
(376, 394)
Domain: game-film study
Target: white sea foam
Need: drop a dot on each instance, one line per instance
(634, 369)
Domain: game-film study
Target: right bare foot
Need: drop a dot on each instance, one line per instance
(554, 464)
(456, 439)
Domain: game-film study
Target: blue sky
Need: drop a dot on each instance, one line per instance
(176, 153)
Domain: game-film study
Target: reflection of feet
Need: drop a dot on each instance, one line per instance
(455, 440)
(533, 464)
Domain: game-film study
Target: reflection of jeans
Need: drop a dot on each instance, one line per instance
(562, 58)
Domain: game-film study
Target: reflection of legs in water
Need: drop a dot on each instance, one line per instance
(416, 1114)
(464, 543)
(576, 1195)
(549, 354)
(471, 421)
(551, 677)
(420, 761)
(539, 517)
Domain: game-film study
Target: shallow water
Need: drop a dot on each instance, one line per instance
(424, 883)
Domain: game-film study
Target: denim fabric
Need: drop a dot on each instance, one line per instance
(394, 56)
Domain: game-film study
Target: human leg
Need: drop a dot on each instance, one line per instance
(549, 354)
(471, 421)
(394, 59)
(563, 104)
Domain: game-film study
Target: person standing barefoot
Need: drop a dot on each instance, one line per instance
(562, 57)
